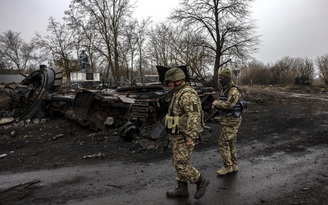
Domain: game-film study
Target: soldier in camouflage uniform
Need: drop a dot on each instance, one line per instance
(184, 123)
(229, 107)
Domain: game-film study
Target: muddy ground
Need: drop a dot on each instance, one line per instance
(289, 121)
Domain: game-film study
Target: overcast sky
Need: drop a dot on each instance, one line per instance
(295, 28)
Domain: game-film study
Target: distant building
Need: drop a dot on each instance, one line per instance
(11, 78)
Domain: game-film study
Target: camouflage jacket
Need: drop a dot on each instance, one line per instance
(186, 104)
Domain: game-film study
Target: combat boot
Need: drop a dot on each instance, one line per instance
(235, 167)
(180, 191)
(225, 170)
(201, 184)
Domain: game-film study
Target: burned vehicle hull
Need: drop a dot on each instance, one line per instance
(135, 111)
(130, 112)
(30, 98)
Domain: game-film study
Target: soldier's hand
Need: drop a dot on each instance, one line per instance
(214, 103)
(190, 144)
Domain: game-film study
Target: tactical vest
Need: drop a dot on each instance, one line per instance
(236, 110)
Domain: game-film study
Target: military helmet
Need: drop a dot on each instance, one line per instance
(174, 74)
(225, 72)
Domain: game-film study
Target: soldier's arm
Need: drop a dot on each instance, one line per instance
(232, 99)
(191, 108)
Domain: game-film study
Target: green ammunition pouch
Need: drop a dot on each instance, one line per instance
(172, 124)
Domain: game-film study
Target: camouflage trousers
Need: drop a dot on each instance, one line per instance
(228, 139)
(181, 161)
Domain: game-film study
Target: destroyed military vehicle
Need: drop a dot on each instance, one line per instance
(132, 112)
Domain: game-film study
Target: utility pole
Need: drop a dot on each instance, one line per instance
(236, 71)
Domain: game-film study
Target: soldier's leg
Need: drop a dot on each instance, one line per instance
(182, 189)
(233, 145)
(181, 163)
(187, 172)
(224, 146)
(233, 153)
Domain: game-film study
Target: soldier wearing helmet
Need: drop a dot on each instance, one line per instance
(229, 106)
(184, 123)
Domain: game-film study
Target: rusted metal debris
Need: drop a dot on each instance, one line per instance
(92, 156)
(30, 98)
(133, 112)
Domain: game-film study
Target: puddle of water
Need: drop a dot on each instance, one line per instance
(308, 96)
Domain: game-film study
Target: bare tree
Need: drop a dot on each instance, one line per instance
(3, 65)
(142, 34)
(255, 72)
(283, 71)
(322, 63)
(129, 46)
(187, 50)
(159, 45)
(171, 46)
(304, 70)
(15, 52)
(225, 26)
(58, 45)
(102, 22)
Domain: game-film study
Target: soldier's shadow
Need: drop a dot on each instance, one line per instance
(186, 201)
(228, 181)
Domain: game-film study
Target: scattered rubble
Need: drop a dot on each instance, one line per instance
(98, 155)
(132, 111)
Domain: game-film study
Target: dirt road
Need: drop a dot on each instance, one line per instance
(282, 148)
(268, 180)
